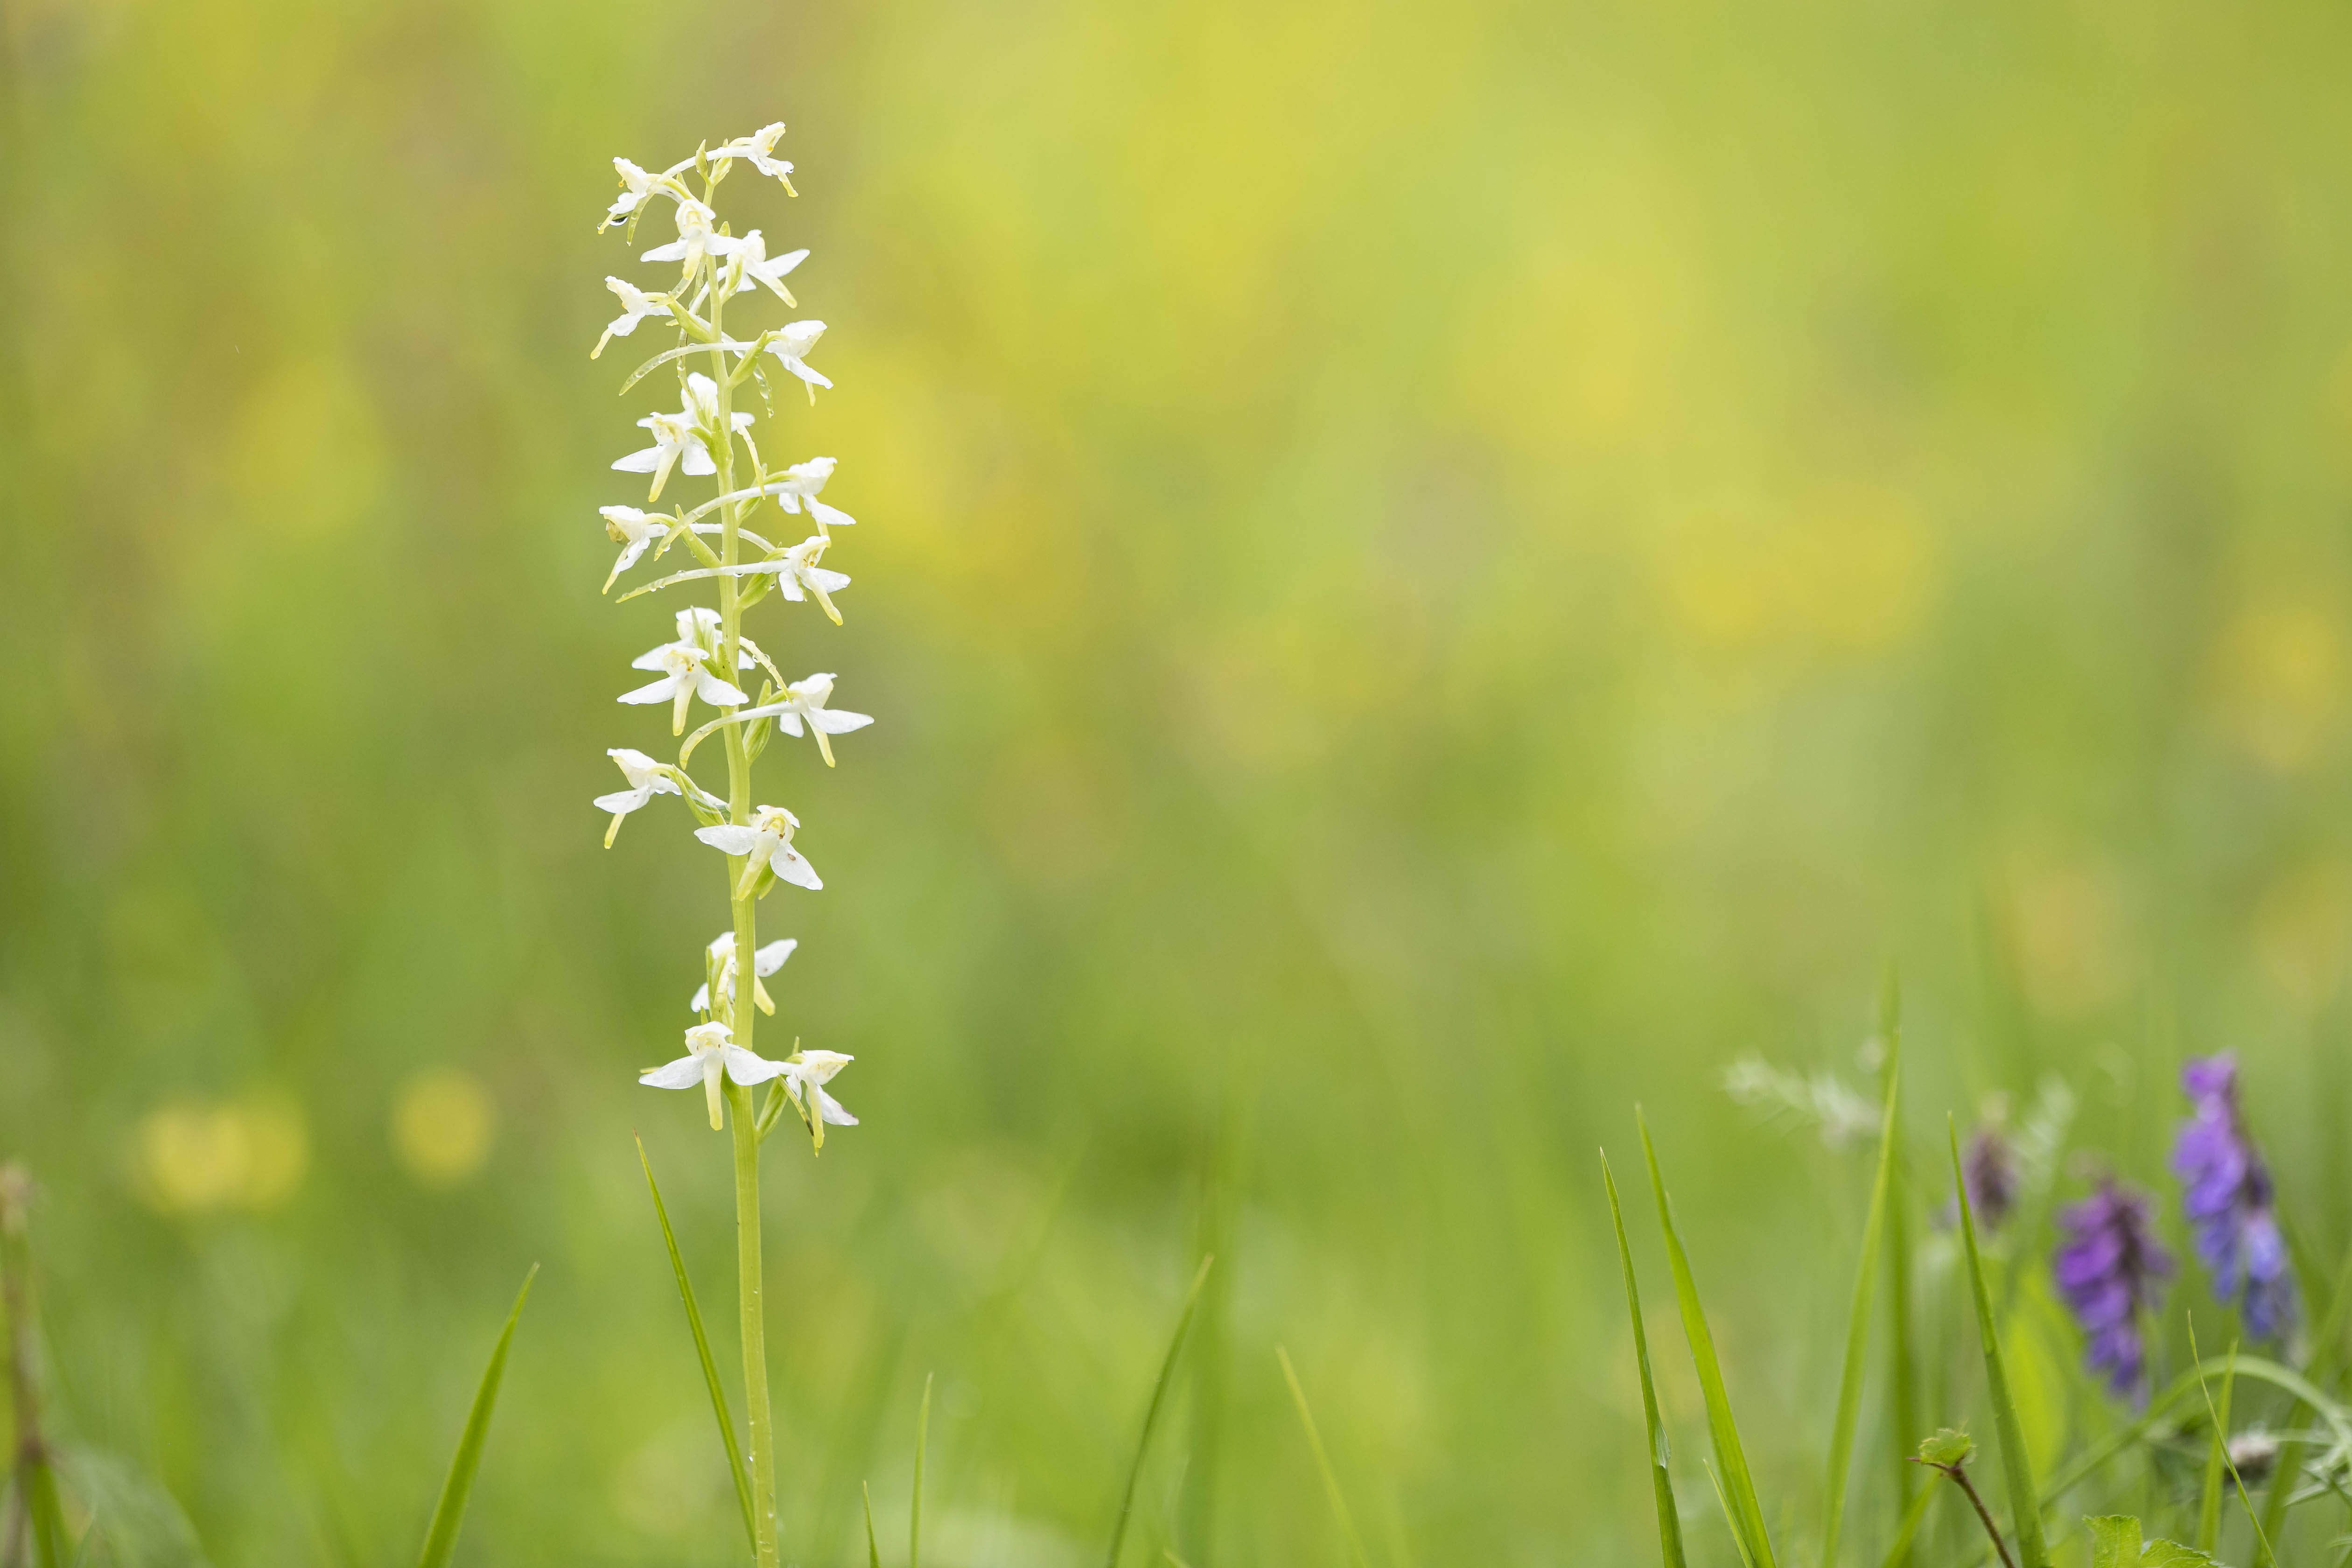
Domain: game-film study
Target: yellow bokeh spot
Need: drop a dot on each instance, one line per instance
(2279, 680)
(203, 1158)
(2300, 932)
(1845, 574)
(442, 1124)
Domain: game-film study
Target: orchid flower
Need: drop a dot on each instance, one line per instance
(797, 572)
(806, 699)
(792, 343)
(683, 679)
(755, 267)
(767, 841)
(720, 959)
(711, 1050)
(633, 530)
(758, 149)
(647, 780)
(637, 187)
(805, 1075)
(679, 438)
(636, 306)
(800, 485)
(695, 238)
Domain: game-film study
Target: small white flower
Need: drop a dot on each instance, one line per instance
(636, 306)
(797, 574)
(806, 1073)
(757, 268)
(637, 187)
(767, 841)
(683, 679)
(792, 343)
(695, 238)
(758, 150)
(644, 783)
(765, 961)
(702, 404)
(678, 438)
(806, 699)
(711, 1050)
(633, 530)
(801, 483)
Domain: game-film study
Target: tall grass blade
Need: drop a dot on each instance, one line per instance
(1729, 1519)
(441, 1539)
(1913, 1512)
(1857, 1331)
(1662, 1484)
(702, 1348)
(2221, 1447)
(915, 1506)
(1722, 1432)
(2325, 1357)
(1323, 1462)
(873, 1551)
(2217, 1453)
(1151, 1413)
(1903, 1390)
(2017, 1467)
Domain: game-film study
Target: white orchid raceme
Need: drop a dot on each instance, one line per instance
(766, 841)
(711, 1052)
(636, 306)
(805, 1075)
(647, 780)
(720, 959)
(695, 238)
(759, 149)
(631, 530)
(799, 487)
(757, 268)
(684, 678)
(793, 345)
(806, 699)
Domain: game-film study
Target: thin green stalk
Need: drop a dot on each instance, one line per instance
(34, 1474)
(1662, 1484)
(759, 1421)
(2217, 1455)
(1903, 1386)
(441, 1539)
(1151, 1413)
(702, 1350)
(915, 1505)
(2017, 1468)
(1339, 1500)
(873, 1548)
(1857, 1333)
(2325, 1357)
(2220, 1419)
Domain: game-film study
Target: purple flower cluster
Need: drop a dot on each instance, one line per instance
(2226, 1193)
(2111, 1269)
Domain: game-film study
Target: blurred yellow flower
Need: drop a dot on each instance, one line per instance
(442, 1122)
(199, 1158)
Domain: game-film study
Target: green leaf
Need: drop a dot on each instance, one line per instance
(1948, 1447)
(914, 1507)
(1740, 1488)
(1661, 1485)
(441, 1540)
(2017, 1468)
(2114, 1541)
(2172, 1554)
(1151, 1413)
(1857, 1331)
(702, 1349)
(872, 1552)
(1339, 1500)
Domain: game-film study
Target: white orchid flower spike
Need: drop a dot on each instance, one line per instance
(633, 530)
(765, 961)
(759, 149)
(766, 841)
(759, 269)
(695, 238)
(683, 679)
(806, 699)
(793, 344)
(636, 306)
(645, 781)
(711, 1052)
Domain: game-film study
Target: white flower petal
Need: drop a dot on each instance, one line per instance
(792, 866)
(839, 720)
(770, 958)
(684, 1073)
(661, 690)
(622, 802)
(729, 838)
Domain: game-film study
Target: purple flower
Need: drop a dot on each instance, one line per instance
(2110, 1269)
(2226, 1193)
(1990, 1168)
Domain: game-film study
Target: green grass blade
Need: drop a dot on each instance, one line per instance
(1857, 1331)
(1903, 1392)
(1151, 1413)
(1662, 1484)
(441, 1540)
(2221, 1449)
(702, 1349)
(2325, 1358)
(915, 1507)
(2217, 1454)
(1323, 1462)
(1722, 1430)
(2017, 1467)
(873, 1551)
(1913, 1512)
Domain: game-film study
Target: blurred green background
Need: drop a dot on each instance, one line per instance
(1427, 572)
